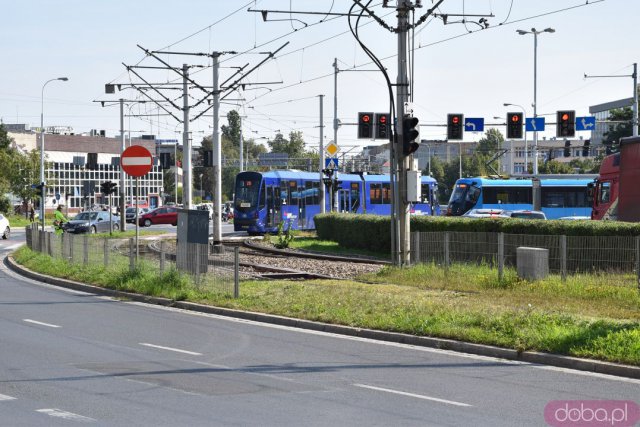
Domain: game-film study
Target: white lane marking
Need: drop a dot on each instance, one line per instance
(170, 349)
(418, 396)
(35, 322)
(387, 343)
(12, 247)
(64, 415)
(4, 397)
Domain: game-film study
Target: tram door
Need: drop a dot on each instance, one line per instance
(274, 215)
(302, 205)
(349, 198)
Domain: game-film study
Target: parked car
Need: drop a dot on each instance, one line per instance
(130, 214)
(486, 213)
(576, 218)
(163, 215)
(92, 222)
(526, 214)
(5, 229)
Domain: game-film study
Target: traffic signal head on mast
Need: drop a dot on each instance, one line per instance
(410, 133)
(566, 124)
(382, 126)
(365, 125)
(514, 125)
(455, 126)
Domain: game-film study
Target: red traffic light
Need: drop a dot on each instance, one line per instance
(515, 118)
(382, 119)
(455, 120)
(366, 118)
(565, 117)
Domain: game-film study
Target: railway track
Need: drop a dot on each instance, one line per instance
(260, 261)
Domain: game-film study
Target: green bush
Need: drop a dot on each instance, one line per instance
(374, 231)
(5, 205)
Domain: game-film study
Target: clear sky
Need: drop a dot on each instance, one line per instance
(457, 69)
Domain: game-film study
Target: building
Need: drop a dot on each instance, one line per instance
(601, 113)
(77, 165)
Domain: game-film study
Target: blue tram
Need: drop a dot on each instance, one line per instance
(556, 197)
(262, 200)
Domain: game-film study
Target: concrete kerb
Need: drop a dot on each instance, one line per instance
(431, 342)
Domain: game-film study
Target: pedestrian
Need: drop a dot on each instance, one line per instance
(32, 213)
(59, 220)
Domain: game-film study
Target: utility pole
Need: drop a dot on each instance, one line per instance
(121, 193)
(217, 156)
(335, 125)
(241, 146)
(403, 163)
(186, 143)
(321, 163)
(635, 99)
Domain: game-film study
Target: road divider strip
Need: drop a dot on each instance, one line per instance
(417, 396)
(35, 322)
(57, 413)
(4, 397)
(177, 350)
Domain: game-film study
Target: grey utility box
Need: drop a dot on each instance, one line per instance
(192, 245)
(533, 263)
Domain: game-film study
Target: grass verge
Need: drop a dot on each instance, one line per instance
(466, 304)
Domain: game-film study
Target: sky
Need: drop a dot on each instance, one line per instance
(458, 67)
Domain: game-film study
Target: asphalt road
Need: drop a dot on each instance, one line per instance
(69, 358)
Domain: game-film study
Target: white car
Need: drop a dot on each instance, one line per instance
(526, 214)
(5, 229)
(486, 213)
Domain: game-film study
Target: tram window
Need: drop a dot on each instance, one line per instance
(386, 194)
(293, 193)
(564, 197)
(375, 194)
(424, 196)
(510, 195)
(311, 192)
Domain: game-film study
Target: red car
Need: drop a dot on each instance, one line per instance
(163, 215)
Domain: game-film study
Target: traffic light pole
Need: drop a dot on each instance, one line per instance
(186, 143)
(402, 163)
(321, 163)
(217, 156)
(121, 192)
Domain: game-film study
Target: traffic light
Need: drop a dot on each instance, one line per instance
(586, 147)
(207, 158)
(382, 126)
(107, 187)
(514, 125)
(39, 187)
(455, 126)
(165, 160)
(566, 123)
(410, 133)
(567, 148)
(365, 124)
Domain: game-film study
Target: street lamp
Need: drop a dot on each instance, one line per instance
(535, 87)
(42, 193)
(526, 148)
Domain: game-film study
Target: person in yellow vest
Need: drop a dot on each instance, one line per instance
(59, 220)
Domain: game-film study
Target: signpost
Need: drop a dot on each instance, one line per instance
(534, 124)
(474, 124)
(136, 161)
(331, 163)
(585, 123)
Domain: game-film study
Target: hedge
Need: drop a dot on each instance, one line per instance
(373, 232)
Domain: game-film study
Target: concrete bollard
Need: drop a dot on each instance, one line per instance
(532, 263)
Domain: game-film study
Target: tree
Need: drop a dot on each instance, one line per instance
(5, 140)
(555, 167)
(293, 147)
(618, 130)
(585, 166)
(233, 130)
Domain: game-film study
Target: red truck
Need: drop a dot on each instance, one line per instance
(616, 191)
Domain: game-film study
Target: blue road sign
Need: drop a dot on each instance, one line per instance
(534, 124)
(585, 123)
(57, 196)
(474, 124)
(331, 163)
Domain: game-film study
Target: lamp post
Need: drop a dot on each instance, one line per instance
(535, 87)
(42, 194)
(526, 148)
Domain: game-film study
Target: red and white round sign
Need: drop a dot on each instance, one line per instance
(136, 161)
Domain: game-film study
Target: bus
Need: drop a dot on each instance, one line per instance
(555, 196)
(262, 200)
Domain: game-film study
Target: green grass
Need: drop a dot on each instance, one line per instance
(588, 316)
(307, 241)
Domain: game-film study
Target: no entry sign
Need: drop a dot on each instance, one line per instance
(136, 161)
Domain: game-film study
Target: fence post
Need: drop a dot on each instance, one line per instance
(500, 256)
(446, 250)
(72, 247)
(132, 262)
(197, 269)
(85, 249)
(236, 272)
(105, 248)
(563, 257)
(162, 253)
(638, 261)
(415, 248)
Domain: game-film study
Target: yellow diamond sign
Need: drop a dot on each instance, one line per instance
(332, 148)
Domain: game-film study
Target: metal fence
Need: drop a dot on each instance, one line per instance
(567, 254)
(211, 269)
